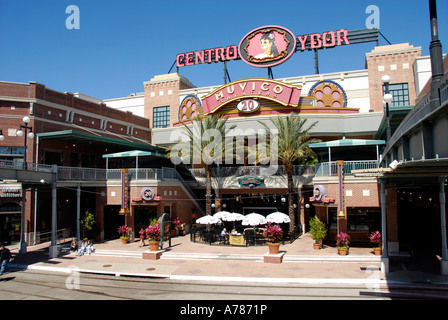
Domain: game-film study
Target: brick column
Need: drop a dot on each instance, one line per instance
(391, 217)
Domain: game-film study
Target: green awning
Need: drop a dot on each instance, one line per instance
(346, 143)
(133, 153)
(93, 138)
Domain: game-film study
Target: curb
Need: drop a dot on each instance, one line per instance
(69, 271)
(309, 281)
(244, 257)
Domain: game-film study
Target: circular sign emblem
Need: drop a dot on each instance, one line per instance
(147, 193)
(267, 46)
(189, 108)
(328, 94)
(319, 192)
(248, 105)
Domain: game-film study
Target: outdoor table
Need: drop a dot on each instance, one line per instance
(236, 240)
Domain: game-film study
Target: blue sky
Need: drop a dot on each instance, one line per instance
(121, 44)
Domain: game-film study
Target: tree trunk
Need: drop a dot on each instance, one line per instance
(289, 173)
(208, 190)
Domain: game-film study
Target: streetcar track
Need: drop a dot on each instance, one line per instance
(164, 291)
(160, 287)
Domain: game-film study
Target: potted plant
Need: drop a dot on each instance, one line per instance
(153, 232)
(175, 223)
(318, 232)
(375, 238)
(274, 235)
(87, 223)
(123, 230)
(342, 243)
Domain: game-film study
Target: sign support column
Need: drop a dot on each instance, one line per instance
(342, 214)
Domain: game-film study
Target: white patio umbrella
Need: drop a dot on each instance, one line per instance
(232, 216)
(253, 219)
(208, 220)
(221, 214)
(278, 217)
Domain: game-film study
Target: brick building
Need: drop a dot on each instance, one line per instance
(74, 130)
(354, 114)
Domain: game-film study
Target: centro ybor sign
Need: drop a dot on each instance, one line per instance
(265, 47)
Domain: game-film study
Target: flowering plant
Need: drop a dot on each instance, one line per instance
(123, 230)
(343, 241)
(175, 222)
(375, 237)
(153, 232)
(273, 233)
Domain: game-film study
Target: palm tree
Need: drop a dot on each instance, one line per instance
(293, 139)
(206, 145)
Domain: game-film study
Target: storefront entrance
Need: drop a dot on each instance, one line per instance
(143, 216)
(10, 218)
(419, 222)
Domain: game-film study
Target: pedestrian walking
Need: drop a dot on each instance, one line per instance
(5, 258)
(142, 237)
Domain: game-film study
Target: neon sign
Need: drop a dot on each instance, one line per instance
(280, 92)
(265, 47)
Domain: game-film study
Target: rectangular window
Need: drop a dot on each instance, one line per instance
(161, 117)
(400, 92)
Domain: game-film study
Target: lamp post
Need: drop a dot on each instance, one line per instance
(387, 99)
(26, 134)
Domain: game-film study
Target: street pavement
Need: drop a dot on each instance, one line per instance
(187, 260)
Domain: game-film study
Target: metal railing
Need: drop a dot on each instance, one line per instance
(62, 235)
(319, 169)
(143, 174)
(331, 168)
(19, 165)
(78, 173)
(96, 174)
(276, 170)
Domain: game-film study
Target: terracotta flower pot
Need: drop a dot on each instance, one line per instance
(154, 245)
(274, 248)
(377, 251)
(343, 252)
(317, 246)
(124, 240)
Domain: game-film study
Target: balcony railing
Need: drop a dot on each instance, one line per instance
(252, 171)
(83, 174)
(331, 168)
(95, 174)
(319, 169)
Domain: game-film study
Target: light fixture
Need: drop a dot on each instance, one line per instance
(385, 78)
(2, 137)
(394, 164)
(388, 98)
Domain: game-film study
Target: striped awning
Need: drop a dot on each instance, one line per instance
(346, 143)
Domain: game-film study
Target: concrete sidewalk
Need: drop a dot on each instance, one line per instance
(186, 260)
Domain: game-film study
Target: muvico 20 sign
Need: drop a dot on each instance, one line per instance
(265, 47)
(280, 92)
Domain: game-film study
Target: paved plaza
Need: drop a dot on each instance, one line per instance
(189, 260)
